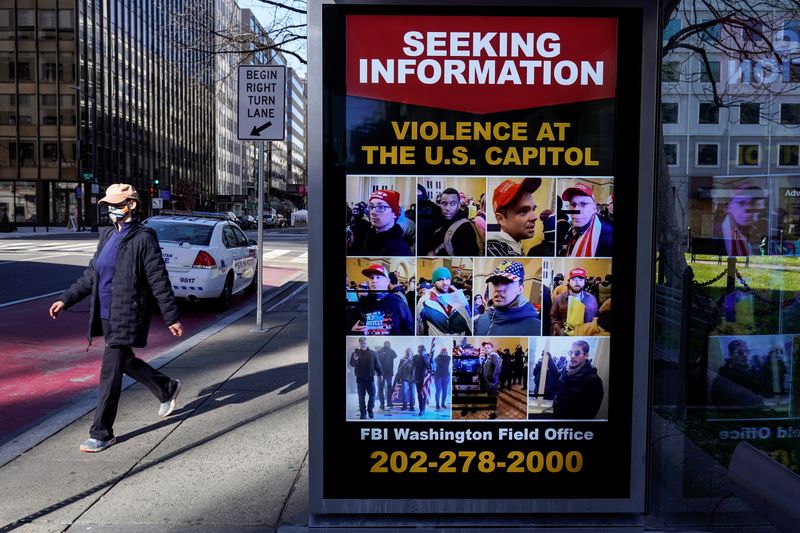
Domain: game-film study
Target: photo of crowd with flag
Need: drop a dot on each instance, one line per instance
(412, 384)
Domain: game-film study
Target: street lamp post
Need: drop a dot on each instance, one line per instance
(90, 97)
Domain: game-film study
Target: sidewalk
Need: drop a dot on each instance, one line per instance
(233, 456)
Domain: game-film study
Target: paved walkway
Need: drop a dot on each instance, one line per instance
(233, 456)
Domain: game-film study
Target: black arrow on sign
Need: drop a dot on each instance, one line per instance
(258, 130)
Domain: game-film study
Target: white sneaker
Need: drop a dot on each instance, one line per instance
(169, 406)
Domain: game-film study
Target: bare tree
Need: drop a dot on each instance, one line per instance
(749, 36)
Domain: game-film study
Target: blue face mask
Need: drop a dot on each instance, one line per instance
(118, 213)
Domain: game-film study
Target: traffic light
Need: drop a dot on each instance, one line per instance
(157, 178)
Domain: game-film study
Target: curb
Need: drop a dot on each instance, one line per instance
(88, 401)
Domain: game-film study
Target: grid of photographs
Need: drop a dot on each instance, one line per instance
(467, 279)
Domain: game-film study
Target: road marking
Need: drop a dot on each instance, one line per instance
(40, 257)
(275, 253)
(9, 304)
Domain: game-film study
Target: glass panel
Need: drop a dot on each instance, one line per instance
(726, 353)
(25, 202)
(6, 201)
(669, 113)
(749, 113)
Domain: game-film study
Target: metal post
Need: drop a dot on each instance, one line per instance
(260, 259)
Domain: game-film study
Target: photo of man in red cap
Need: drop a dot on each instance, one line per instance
(574, 307)
(741, 213)
(385, 236)
(588, 235)
(515, 211)
(382, 311)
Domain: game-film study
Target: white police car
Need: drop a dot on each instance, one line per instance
(207, 256)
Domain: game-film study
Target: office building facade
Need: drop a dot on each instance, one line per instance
(93, 93)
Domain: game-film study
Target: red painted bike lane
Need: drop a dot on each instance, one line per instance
(47, 364)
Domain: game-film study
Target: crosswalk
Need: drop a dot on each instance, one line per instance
(279, 256)
(23, 246)
(272, 257)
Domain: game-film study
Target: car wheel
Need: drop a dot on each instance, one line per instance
(251, 287)
(224, 299)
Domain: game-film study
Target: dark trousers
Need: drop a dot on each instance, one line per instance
(119, 360)
(421, 398)
(385, 390)
(442, 385)
(366, 396)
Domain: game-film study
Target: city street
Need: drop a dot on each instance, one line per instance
(47, 363)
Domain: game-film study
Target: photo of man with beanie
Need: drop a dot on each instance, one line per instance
(443, 310)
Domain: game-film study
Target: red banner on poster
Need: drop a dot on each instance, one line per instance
(481, 64)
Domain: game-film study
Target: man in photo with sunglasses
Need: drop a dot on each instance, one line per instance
(580, 390)
(456, 235)
(385, 237)
(588, 235)
(125, 274)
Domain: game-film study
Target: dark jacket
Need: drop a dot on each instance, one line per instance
(139, 277)
(388, 316)
(389, 243)
(442, 369)
(605, 245)
(421, 364)
(519, 318)
(579, 396)
(366, 365)
(465, 240)
(386, 356)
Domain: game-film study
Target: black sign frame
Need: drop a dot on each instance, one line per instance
(333, 452)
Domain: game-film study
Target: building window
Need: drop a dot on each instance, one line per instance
(19, 71)
(707, 155)
(671, 71)
(50, 152)
(669, 113)
(788, 155)
(792, 74)
(749, 155)
(671, 154)
(708, 114)
(711, 33)
(749, 113)
(790, 114)
(704, 74)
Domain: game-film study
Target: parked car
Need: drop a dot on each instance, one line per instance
(207, 256)
(269, 220)
(247, 222)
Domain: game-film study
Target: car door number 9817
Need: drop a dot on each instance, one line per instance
(187, 280)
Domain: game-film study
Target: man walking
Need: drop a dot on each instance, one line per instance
(386, 357)
(421, 364)
(126, 272)
(441, 375)
(366, 365)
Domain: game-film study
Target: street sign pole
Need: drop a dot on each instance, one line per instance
(260, 261)
(261, 117)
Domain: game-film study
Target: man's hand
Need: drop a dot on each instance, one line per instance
(56, 308)
(176, 329)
